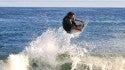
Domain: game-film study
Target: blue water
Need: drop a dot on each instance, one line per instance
(33, 39)
(20, 26)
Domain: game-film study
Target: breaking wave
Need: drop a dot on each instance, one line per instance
(54, 50)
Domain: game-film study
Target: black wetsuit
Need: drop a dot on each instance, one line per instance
(68, 24)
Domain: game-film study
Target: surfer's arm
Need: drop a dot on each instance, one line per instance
(76, 19)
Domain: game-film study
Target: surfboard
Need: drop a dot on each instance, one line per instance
(81, 27)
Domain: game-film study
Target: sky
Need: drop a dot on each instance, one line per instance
(62, 3)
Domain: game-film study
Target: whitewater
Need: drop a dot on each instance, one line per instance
(53, 50)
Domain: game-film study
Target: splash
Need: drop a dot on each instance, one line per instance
(44, 51)
(54, 50)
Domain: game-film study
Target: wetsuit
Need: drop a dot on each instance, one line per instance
(68, 24)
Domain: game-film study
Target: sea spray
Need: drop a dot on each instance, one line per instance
(44, 51)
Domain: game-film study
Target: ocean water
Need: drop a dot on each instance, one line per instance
(33, 39)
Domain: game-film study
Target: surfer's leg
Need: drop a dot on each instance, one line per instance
(80, 26)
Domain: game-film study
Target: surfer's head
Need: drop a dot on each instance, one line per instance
(70, 14)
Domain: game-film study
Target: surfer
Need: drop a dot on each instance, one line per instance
(69, 23)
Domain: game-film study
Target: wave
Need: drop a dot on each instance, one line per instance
(54, 50)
